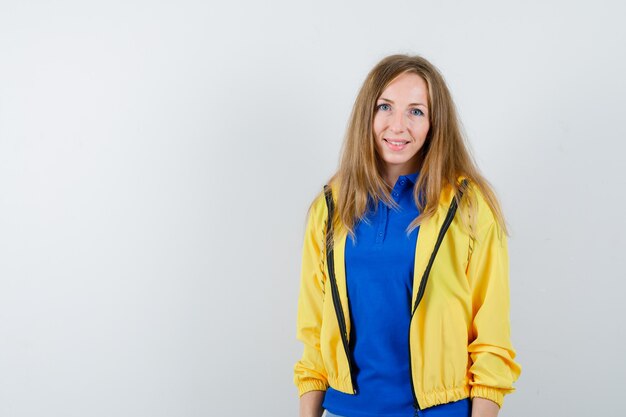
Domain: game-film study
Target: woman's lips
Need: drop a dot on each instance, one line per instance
(396, 145)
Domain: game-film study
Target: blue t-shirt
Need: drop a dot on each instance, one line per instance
(379, 279)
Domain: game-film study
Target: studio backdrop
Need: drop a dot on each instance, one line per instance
(157, 160)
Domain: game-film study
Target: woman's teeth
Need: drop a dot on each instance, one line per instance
(397, 142)
(396, 145)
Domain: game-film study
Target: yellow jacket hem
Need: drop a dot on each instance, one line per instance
(313, 385)
(489, 393)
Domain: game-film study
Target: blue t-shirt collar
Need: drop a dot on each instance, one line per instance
(411, 177)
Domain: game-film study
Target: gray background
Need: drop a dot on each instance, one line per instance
(157, 160)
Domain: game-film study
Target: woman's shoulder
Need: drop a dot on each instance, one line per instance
(473, 201)
(331, 187)
(476, 205)
(319, 201)
(317, 208)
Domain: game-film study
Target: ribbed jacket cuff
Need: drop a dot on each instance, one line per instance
(311, 385)
(489, 393)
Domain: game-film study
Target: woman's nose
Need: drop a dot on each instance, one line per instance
(397, 122)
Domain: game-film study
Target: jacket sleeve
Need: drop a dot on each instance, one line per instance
(309, 371)
(493, 369)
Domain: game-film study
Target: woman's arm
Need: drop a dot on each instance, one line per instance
(493, 367)
(309, 371)
(482, 407)
(311, 404)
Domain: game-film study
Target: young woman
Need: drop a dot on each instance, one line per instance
(404, 297)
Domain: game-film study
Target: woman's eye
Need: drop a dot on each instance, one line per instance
(383, 107)
(417, 112)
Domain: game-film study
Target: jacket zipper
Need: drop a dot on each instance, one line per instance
(330, 262)
(420, 294)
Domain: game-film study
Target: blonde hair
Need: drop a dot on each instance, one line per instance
(442, 159)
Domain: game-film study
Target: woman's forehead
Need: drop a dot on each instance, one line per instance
(406, 86)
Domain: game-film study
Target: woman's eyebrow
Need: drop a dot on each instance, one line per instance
(411, 104)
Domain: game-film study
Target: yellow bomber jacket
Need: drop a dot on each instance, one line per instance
(459, 336)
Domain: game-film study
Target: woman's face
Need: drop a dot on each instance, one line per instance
(401, 124)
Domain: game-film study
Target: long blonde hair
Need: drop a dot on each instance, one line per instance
(442, 159)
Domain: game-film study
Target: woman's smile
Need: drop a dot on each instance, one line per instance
(396, 144)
